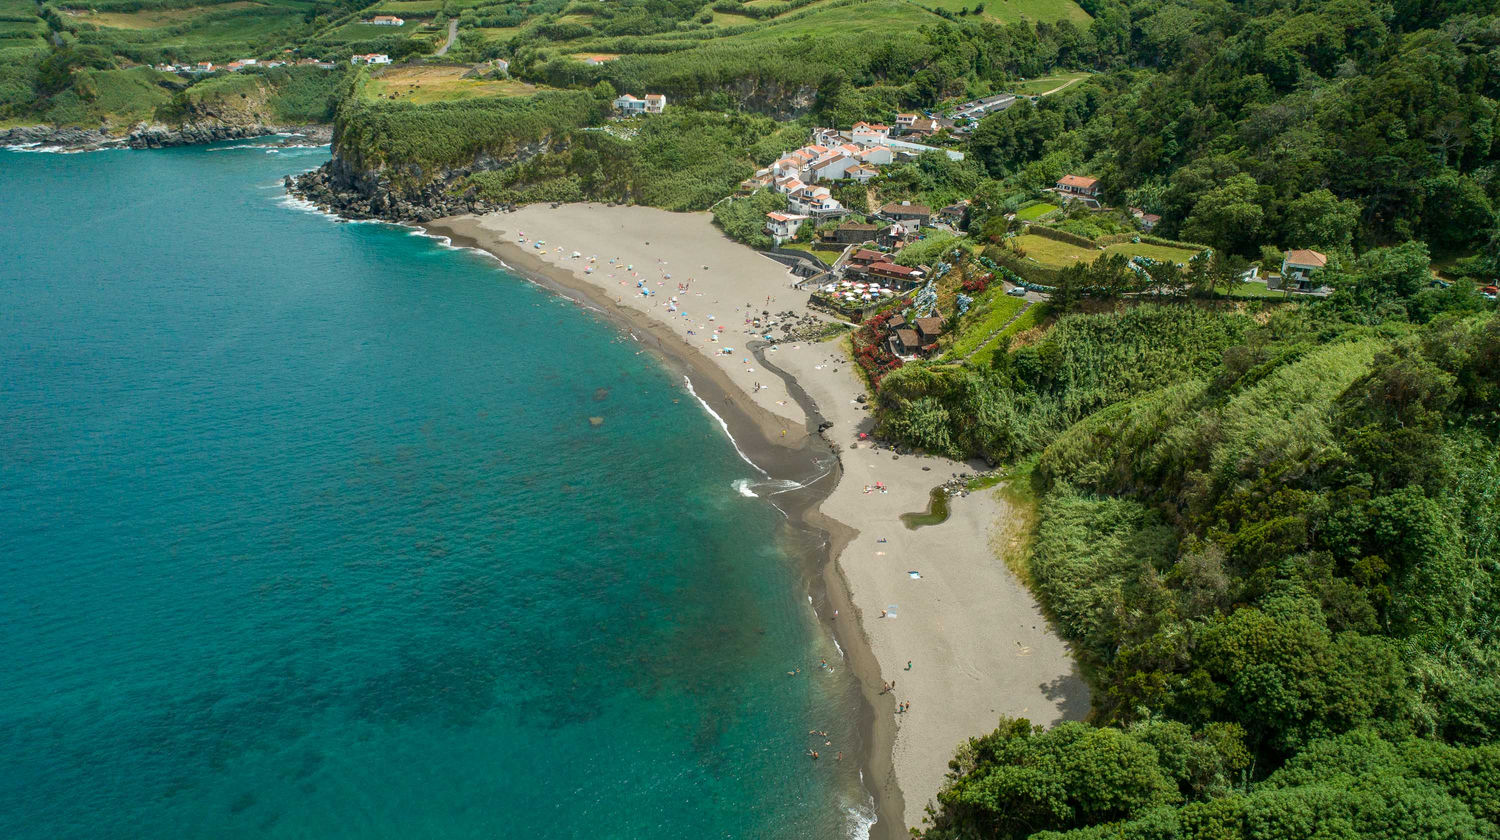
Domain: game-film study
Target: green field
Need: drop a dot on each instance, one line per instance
(497, 33)
(422, 84)
(1051, 253)
(1011, 11)
(988, 315)
(1046, 84)
(985, 356)
(1036, 210)
(825, 255)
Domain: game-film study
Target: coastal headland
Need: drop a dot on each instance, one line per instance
(928, 617)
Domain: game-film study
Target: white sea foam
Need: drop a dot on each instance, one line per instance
(859, 819)
(722, 424)
(742, 486)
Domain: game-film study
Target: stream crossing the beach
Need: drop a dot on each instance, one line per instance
(306, 531)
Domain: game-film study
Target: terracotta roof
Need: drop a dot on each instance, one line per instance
(897, 207)
(1077, 181)
(779, 217)
(930, 326)
(866, 255)
(1306, 257)
(893, 269)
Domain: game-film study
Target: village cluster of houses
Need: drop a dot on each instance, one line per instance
(238, 65)
(855, 155)
(629, 106)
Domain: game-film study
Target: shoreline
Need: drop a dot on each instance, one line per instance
(66, 140)
(759, 432)
(939, 601)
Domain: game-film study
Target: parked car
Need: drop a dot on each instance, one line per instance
(1016, 292)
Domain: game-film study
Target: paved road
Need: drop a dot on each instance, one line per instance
(452, 36)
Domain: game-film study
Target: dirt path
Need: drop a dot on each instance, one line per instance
(452, 36)
(1063, 85)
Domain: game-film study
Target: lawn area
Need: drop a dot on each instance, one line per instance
(426, 83)
(1035, 210)
(1259, 291)
(1011, 11)
(1038, 86)
(986, 317)
(1051, 253)
(1160, 253)
(823, 254)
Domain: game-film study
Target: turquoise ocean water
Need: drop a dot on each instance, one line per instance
(305, 532)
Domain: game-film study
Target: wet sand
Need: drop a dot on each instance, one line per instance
(978, 644)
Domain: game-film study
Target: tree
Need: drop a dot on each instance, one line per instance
(1229, 217)
(1320, 220)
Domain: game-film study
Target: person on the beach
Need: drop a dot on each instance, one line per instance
(814, 754)
(908, 664)
(882, 613)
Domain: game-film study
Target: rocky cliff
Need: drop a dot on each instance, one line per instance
(342, 187)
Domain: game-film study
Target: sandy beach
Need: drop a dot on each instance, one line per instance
(961, 638)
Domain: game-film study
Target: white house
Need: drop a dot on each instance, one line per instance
(628, 105)
(866, 134)
(861, 172)
(832, 166)
(1300, 265)
(502, 65)
(816, 202)
(370, 58)
(876, 155)
(385, 20)
(783, 226)
(788, 184)
(905, 121)
(596, 60)
(1078, 185)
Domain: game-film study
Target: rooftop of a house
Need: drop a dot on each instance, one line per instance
(656, 97)
(857, 226)
(1077, 181)
(906, 207)
(1309, 258)
(883, 267)
(783, 217)
(865, 255)
(908, 337)
(930, 326)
